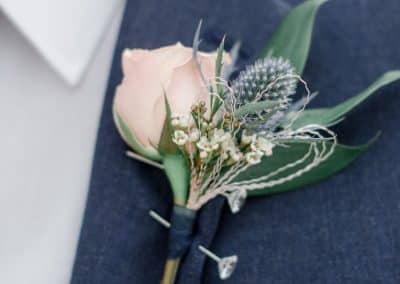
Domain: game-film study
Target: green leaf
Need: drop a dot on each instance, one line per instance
(255, 107)
(215, 103)
(128, 137)
(166, 145)
(292, 38)
(178, 175)
(326, 116)
(340, 158)
(174, 162)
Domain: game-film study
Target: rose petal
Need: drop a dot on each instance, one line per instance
(129, 56)
(184, 90)
(147, 74)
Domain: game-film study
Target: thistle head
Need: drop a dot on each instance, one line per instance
(272, 79)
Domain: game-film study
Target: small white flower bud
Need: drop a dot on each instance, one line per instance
(175, 116)
(246, 139)
(203, 154)
(174, 122)
(184, 121)
(237, 156)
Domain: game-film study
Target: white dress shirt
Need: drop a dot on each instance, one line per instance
(55, 60)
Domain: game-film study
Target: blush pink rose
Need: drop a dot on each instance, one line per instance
(139, 108)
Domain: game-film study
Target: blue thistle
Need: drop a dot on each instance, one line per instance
(267, 79)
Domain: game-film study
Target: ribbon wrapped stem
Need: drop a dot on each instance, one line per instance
(180, 238)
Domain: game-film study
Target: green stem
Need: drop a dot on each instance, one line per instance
(170, 270)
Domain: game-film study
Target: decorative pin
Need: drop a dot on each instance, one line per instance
(226, 265)
(236, 199)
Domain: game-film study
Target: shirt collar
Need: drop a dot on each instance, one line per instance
(66, 33)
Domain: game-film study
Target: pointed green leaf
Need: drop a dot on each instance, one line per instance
(326, 116)
(215, 103)
(174, 162)
(341, 158)
(178, 175)
(292, 38)
(166, 145)
(127, 136)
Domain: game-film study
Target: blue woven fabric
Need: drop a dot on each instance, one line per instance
(343, 230)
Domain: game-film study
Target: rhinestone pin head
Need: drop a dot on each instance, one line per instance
(236, 200)
(226, 266)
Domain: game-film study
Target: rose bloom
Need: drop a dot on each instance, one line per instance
(139, 106)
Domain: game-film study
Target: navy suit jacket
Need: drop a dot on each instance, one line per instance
(343, 230)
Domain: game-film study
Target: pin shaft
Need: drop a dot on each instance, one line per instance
(207, 252)
(160, 219)
(135, 156)
(226, 265)
(167, 225)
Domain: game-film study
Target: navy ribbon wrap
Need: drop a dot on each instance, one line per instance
(180, 234)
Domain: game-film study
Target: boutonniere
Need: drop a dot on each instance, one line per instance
(180, 109)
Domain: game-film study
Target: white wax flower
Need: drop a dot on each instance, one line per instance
(184, 121)
(228, 145)
(220, 135)
(206, 145)
(180, 137)
(253, 157)
(263, 145)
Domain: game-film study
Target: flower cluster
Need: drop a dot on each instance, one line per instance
(215, 145)
(219, 146)
(221, 135)
(205, 141)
